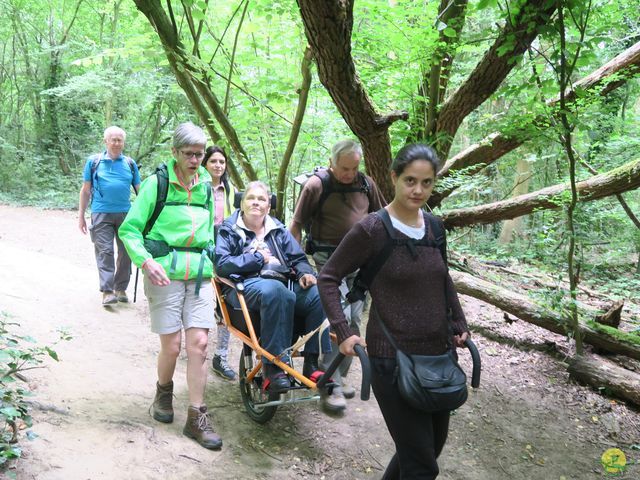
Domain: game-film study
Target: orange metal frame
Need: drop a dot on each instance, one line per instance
(252, 340)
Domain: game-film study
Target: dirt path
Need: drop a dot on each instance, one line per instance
(90, 409)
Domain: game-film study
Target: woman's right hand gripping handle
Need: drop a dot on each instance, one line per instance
(353, 345)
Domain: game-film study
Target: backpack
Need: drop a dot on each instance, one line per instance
(328, 188)
(368, 272)
(162, 173)
(95, 161)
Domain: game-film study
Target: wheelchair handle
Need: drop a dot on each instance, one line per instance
(365, 387)
(477, 364)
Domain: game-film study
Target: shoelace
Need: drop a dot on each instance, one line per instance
(203, 422)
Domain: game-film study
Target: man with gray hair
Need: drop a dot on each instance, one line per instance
(332, 201)
(107, 181)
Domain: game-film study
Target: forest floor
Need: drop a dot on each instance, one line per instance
(526, 421)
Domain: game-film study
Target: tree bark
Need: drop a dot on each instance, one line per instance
(601, 373)
(496, 145)
(527, 310)
(328, 25)
(497, 62)
(621, 179)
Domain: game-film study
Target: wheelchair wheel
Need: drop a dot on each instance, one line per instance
(251, 392)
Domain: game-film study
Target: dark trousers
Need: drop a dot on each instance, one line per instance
(114, 273)
(419, 436)
(278, 307)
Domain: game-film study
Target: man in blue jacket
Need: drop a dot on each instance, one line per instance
(107, 181)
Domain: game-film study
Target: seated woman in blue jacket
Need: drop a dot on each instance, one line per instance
(251, 241)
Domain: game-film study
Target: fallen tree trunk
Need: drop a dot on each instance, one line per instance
(601, 373)
(529, 311)
(618, 180)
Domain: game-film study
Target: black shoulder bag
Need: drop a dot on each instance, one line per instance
(431, 383)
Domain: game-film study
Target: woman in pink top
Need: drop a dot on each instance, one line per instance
(215, 161)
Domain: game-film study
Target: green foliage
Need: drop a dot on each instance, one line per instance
(18, 353)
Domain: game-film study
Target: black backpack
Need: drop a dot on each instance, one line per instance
(368, 272)
(329, 188)
(161, 197)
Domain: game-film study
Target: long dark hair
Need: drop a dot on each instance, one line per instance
(412, 152)
(225, 176)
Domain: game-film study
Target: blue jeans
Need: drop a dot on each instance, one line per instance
(278, 306)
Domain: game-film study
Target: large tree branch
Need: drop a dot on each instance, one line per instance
(621, 179)
(602, 81)
(328, 25)
(494, 67)
(189, 73)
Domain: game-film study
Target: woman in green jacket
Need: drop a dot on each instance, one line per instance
(173, 252)
(215, 161)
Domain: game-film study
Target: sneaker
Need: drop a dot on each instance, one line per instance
(348, 391)
(222, 368)
(121, 295)
(334, 403)
(108, 298)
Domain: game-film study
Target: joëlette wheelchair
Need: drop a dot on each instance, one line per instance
(260, 403)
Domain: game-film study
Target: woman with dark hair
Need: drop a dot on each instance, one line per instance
(215, 161)
(412, 294)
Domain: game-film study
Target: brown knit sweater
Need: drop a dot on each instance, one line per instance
(407, 293)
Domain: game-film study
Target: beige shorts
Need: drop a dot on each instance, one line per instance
(176, 306)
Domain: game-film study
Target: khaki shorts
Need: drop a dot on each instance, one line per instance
(176, 306)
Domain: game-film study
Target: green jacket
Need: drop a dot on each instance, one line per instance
(183, 223)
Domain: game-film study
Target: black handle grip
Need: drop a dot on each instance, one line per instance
(365, 386)
(477, 364)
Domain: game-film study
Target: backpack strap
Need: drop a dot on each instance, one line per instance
(131, 163)
(95, 162)
(162, 175)
(368, 272)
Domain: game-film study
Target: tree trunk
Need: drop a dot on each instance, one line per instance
(601, 373)
(493, 68)
(527, 310)
(188, 75)
(621, 179)
(328, 25)
(520, 187)
(303, 94)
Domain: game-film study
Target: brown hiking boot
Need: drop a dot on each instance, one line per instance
(199, 428)
(163, 403)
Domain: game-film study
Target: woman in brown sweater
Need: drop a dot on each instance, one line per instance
(408, 294)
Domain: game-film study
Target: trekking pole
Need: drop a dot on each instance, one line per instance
(135, 285)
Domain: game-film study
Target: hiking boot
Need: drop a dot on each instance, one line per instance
(222, 368)
(121, 295)
(279, 382)
(108, 298)
(163, 403)
(199, 428)
(310, 364)
(334, 403)
(348, 391)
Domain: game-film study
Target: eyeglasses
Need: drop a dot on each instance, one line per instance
(189, 154)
